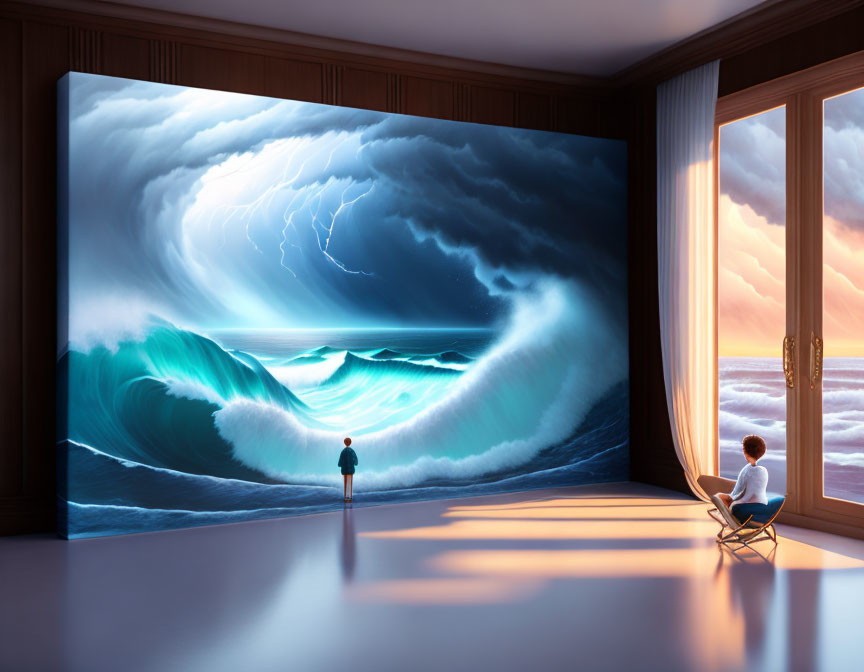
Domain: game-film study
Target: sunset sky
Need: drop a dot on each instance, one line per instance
(751, 256)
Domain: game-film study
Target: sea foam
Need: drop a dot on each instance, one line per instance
(560, 354)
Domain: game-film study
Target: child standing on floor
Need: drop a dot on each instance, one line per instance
(347, 462)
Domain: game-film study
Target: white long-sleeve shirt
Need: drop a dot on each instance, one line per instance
(751, 485)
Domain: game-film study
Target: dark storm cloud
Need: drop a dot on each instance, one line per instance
(526, 201)
(139, 150)
(753, 164)
(503, 283)
(843, 152)
(753, 161)
(846, 111)
(509, 204)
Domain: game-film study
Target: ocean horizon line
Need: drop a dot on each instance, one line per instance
(778, 357)
(329, 329)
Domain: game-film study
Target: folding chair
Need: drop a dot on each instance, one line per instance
(733, 531)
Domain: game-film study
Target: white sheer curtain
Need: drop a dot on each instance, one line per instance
(685, 256)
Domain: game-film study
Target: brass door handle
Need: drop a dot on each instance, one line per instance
(815, 360)
(789, 361)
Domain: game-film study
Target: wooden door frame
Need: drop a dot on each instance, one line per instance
(802, 94)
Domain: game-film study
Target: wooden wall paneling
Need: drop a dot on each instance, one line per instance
(820, 43)
(754, 28)
(493, 106)
(463, 102)
(396, 93)
(298, 80)
(366, 89)
(575, 115)
(125, 56)
(429, 97)
(11, 456)
(222, 69)
(331, 83)
(611, 117)
(85, 50)
(46, 52)
(533, 110)
(652, 455)
(187, 28)
(163, 61)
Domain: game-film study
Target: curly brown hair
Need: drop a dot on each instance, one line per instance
(754, 446)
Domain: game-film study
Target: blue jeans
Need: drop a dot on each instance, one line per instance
(761, 513)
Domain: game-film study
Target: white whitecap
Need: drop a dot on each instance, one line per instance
(559, 355)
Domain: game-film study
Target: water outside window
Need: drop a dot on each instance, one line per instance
(843, 297)
(751, 290)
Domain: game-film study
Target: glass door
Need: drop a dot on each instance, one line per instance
(840, 346)
(751, 291)
(790, 288)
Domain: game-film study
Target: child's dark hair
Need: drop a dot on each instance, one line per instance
(348, 443)
(754, 446)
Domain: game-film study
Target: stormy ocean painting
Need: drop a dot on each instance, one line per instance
(245, 281)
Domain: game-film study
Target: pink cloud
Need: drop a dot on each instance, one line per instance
(752, 285)
(751, 270)
(842, 289)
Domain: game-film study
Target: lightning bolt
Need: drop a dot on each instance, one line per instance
(289, 223)
(307, 199)
(288, 218)
(247, 211)
(342, 205)
(320, 227)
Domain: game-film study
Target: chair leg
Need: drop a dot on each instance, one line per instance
(734, 533)
(762, 534)
(717, 517)
(744, 537)
(765, 557)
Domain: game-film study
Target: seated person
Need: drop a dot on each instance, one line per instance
(751, 486)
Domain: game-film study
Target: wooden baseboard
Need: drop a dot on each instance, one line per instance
(810, 523)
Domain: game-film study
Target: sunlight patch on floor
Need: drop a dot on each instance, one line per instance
(556, 529)
(582, 501)
(682, 512)
(490, 575)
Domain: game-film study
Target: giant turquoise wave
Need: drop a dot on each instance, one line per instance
(174, 429)
(122, 401)
(152, 401)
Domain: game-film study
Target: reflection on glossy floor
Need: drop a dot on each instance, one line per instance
(614, 577)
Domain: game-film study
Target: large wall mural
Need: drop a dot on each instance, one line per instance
(244, 282)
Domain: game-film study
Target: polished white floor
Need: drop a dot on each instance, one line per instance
(613, 577)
